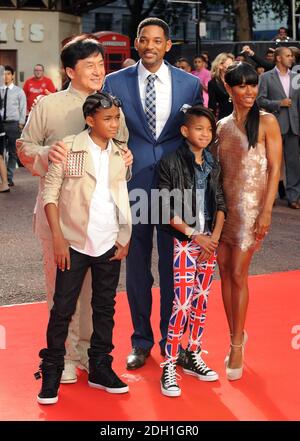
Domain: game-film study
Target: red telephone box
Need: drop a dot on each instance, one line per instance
(116, 49)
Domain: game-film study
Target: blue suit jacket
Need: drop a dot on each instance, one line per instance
(147, 150)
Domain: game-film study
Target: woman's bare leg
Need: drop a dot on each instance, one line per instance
(240, 262)
(224, 263)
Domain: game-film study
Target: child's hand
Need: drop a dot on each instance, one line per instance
(62, 253)
(127, 157)
(203, 256)
(206, 242)
(120, 252)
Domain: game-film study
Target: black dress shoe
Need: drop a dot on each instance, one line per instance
(137, 358)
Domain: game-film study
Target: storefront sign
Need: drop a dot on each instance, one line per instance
(35, 32)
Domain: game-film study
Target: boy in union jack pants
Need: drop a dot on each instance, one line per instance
(194, 214)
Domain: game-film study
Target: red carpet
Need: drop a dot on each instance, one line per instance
(269, 389)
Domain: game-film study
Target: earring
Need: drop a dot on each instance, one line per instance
(229, 99)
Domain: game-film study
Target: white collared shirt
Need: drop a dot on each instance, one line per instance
(103, 227)
(16, 104)
(163, 90)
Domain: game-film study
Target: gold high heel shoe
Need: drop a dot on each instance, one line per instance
(235, 373)
(245, 339)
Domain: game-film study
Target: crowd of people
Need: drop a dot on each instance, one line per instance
(214, 133)
(15, 106)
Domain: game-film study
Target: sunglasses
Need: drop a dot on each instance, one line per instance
(106, 102)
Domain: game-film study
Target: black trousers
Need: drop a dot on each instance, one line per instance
(105, 278)
(13, 132)
(291, 152)
(139, 281)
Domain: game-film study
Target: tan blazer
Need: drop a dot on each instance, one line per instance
(72, 195)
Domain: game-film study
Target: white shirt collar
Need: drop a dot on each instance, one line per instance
(162, 73)
(95, 147)
(7, 87)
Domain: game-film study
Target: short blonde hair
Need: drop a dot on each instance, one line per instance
(220, 59)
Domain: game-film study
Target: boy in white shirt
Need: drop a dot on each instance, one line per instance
(87, 208)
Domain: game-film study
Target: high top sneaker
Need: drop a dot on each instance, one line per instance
(51, 375)
(102, 376)
(168, 381)
(194, 365)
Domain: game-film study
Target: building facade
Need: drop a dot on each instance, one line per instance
(31, 37)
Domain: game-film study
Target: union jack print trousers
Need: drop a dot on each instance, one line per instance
(192, 281)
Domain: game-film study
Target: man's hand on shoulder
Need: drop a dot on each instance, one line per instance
(36, 100)
(58, 152)
(127, 157)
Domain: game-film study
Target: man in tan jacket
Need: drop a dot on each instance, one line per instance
(87, 207)
(53, 118)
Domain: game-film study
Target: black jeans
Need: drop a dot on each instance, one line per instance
(13, 132)
(105, 278)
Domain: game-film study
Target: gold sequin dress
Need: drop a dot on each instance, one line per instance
(244, 183)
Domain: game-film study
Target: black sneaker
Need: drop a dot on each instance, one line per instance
(102, 376)
(194, 365)
(51, 375)
(168, 381)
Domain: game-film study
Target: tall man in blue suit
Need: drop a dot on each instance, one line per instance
(152, 93)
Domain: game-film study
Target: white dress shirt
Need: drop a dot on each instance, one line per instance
(15, 105)
(163, 90)
(103, 226)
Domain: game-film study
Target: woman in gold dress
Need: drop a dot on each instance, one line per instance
(250, 152)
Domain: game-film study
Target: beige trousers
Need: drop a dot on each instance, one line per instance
(80, 328)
